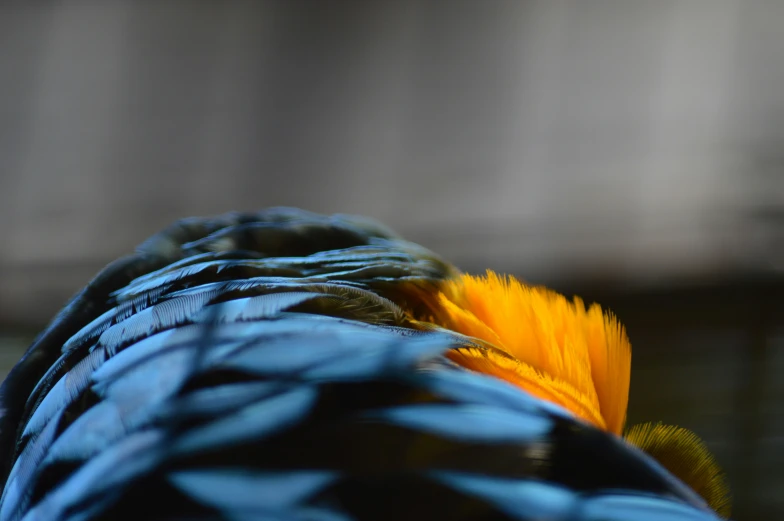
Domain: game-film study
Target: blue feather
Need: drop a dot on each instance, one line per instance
(639, 507)
(345, 351)
(97, 429)
(69, 387)
(226, 489)
(468, 422)
(469, 387)
(252, 422)
(254, 308)
(521, 499)
(131, 457)
(17, 490)
(161, 316)
(214, 401)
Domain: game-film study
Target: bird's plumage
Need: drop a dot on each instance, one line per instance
(270, 366)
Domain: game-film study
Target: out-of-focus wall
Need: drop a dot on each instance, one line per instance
(608, 143)
(544, 137)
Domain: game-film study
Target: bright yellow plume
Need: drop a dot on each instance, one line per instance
(561, 352)
(555, 349)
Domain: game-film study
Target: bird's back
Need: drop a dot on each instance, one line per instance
(267, 367)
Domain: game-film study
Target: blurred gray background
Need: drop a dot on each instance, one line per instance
(629, 151)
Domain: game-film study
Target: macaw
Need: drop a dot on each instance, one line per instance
(285, 365)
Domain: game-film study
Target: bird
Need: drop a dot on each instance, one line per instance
(286, 365)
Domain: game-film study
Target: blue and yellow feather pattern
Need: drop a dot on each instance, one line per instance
(269, 367)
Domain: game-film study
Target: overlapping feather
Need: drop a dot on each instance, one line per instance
(266, 366)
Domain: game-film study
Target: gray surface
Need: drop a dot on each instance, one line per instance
(639, 141)
(11, 349)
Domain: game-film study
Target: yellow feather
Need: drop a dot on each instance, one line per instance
(683, 453)
(554, 348)
(561, 352)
